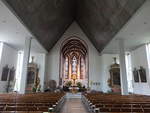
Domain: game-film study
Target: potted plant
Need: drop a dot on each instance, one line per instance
(68, 84)
(79, 85)
(33, 89)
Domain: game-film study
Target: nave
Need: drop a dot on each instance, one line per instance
(74, 56)
(74, 105)
(106, 103)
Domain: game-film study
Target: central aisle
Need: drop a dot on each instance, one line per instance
(73, 104)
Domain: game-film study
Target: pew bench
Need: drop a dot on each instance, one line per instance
(29, 103)
(99, 103)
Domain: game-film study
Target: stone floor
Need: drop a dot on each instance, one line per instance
(73, 105)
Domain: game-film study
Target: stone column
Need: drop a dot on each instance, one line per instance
(42, 68)
(123, 73)
(26, 56)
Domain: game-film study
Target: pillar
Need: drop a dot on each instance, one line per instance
(123, 73)
(43, 71)
(26, 56)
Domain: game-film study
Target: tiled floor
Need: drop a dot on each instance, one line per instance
(73, 105)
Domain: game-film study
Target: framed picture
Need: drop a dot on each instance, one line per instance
(142, 73)
(136, 75)
(5, 73)
(12, 74)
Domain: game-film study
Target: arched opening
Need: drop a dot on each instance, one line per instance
(74, 62)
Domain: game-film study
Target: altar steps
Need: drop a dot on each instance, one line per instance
(73, 95)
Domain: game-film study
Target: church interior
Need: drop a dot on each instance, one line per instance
(74, 56)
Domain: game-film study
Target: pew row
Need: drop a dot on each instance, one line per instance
(31, 103)
(108, 103)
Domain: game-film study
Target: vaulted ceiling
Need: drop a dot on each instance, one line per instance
(99, 19)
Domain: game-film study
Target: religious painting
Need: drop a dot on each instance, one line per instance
(116, 77)
(12, 74)
(5, 73)
(136, 75)
(142, 73)
(30, 78)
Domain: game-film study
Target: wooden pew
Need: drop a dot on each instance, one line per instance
(116, 103)
(40, 102)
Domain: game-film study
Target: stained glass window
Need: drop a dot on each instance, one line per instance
(74, 65)
(82, 68)
(66, 68)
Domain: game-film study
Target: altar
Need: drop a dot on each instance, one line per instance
(74, 64)
(74, 89)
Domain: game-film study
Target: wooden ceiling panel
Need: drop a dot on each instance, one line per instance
(99, 19)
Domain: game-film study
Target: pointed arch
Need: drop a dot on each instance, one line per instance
(76, 50)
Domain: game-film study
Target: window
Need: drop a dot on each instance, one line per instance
(66, 66)
(129, 71)
(19, 71)
(148, 55)
(74, 65)
(82, 68)
(1, 49)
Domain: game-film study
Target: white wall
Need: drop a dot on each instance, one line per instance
(139, 58)
(9, 56)
(107, 61)
(94, 57)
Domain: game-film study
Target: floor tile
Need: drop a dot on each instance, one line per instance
(73, 105)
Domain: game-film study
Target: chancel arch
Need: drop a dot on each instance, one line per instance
(74, 62)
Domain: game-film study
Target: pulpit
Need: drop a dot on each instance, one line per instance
(33, 80)
(114, 81)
